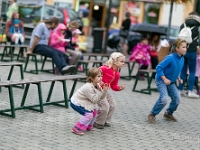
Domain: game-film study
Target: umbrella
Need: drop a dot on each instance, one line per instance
(148, 28)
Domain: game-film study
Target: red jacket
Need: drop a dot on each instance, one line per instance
(111, 77)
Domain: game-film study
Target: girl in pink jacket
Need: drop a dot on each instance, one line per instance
(57, 40)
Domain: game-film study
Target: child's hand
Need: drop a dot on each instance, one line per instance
(59, 39)
(99, 87)
(180, 81)
(121, 87)
(106, 87)
(167, 81)
(76, 49)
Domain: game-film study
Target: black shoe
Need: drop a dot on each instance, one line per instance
(98, 126)
(68, 69)
(107, 124)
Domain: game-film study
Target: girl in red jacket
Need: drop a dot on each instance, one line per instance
(110, 76)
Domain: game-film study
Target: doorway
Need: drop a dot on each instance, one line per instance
(97, 16)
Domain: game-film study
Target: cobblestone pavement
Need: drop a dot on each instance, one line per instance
(130, 130)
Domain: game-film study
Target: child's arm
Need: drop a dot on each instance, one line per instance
(11, 30)
(114, 84)
(53, 40)
(93, 95)
(180, 80)
(167, 81)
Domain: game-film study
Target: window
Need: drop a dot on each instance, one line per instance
(151, 13)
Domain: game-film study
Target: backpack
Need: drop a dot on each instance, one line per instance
(186, 34)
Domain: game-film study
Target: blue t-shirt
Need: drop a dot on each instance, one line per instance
(42, 32)
(170, 67)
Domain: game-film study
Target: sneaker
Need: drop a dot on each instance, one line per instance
(192, 94)
(169, 117)
(107, 124)
(68, 69)
(77, 131)
(151, 118)
(98, 126)
(182, 93)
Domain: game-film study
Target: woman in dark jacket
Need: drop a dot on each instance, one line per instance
(193, 20)
(125, 27)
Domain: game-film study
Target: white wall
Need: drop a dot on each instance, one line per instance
(177, 17)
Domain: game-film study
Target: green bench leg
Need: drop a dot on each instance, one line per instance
(48, 70)
(36, 64)
(4, 53)
(50, 91)
(11, 101)
(31, 107)
(25, 94)
(148, 89)
(21, 74)
(12, 107)
(65, 93)
(73, 88)
(92, 56)
(57, 103)
(21, 52)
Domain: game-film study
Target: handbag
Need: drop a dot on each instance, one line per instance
(123, 33)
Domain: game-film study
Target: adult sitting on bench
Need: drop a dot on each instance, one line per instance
(9, 36)
(39, 45)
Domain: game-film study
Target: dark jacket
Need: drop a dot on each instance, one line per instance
(192, 23)
(68, 35)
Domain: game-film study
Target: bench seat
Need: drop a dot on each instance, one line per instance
(37, 82)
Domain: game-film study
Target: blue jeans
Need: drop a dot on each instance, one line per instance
(58, 57)
(190, 62)
(164, 91)
(81, 110)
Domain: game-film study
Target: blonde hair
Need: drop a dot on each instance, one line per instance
(92, 73)
(176, 44)
(114, 57)
(74, 24)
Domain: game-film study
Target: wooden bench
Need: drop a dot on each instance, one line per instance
(37, 82)
(96, 55)
(8, 50)
(13, 64)
(85, 64)
(149, 77)
(35, 60)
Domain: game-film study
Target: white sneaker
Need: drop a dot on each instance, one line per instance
(182, 93)
(192, 94)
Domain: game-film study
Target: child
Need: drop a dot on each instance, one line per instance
(58, 42)
(16, 32)
(111, 77)
(166, 74)
(75, 39)
(84, 101)
(141, 55)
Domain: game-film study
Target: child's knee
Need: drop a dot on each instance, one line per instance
(163, 100)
